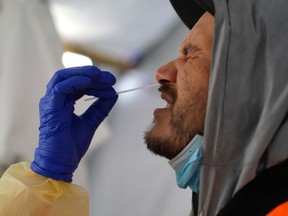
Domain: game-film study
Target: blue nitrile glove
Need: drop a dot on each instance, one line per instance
(65, 137)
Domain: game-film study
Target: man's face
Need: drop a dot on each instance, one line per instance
(184, 86)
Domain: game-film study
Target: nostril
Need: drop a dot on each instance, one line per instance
(164, 82)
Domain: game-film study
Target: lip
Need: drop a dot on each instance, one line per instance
(167, 98)
(160, 111)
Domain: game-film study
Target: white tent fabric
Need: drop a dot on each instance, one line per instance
(30, 53)
(124, 29)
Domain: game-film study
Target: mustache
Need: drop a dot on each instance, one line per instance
(167, 88)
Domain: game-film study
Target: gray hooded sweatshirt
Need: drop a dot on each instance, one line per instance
(246, 127)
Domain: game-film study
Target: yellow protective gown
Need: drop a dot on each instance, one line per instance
(23, 192)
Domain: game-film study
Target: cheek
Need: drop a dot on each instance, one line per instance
(194, 78)
(192, 88)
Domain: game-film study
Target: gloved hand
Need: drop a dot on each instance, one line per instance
(65, 137)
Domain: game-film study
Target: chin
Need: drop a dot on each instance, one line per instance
(161, 145)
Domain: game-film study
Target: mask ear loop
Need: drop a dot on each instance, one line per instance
(127, 90)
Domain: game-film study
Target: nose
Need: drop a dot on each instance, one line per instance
(167, 73)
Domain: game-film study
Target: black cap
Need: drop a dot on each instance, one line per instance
(191, 10)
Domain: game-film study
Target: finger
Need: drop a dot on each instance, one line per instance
(100, 78)
(101, 93)
(89, 71)
(99, 110)
(57, 96)
(78, 86)
(105, 78)
(72, 85)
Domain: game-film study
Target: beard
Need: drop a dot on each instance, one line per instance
(187, 120)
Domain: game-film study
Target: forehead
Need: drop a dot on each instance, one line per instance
(201, 35)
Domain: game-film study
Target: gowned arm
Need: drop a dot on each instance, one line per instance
(23, 192)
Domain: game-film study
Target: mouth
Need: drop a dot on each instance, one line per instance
(169, 104)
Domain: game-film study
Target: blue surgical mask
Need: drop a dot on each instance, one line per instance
(187, 164)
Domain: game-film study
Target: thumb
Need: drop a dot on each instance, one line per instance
(99, 110)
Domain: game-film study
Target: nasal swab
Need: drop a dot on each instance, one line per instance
(138, 88)
(127, 90)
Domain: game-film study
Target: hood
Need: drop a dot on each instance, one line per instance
(246, 127)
